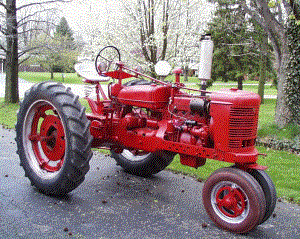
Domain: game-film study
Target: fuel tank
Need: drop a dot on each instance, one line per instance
(146, 96)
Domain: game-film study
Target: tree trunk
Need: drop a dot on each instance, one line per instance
(262, 78)
(282, 112)
(262, 66)
(51, 72)
(11, 85)
(186, 70)
(240, 82)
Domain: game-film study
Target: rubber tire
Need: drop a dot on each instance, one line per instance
(78, 148)
(152, 164)
(269, 190)
(250, 186)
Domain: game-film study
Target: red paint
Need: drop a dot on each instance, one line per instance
(177, 73)
(51, 138)
(230, 201)
(145, 96)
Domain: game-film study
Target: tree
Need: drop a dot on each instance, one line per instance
(235, 54)
(64, 30)
(293, 67)
(11, 48)
(11, 85)
(56, 53)
(147, 31)
(271, 17)
(145, 15)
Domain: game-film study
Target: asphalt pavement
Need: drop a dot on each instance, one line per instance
(113, 204)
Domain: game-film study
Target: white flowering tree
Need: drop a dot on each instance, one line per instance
(147, 31)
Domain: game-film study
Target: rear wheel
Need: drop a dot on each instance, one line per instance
(234, 200)
(143, 163)
(53, 139)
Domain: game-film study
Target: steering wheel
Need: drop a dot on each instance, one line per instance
(109, 56)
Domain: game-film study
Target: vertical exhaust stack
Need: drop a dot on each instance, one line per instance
(206, 55)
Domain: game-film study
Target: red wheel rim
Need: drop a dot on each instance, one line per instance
(230, 201)
(47, 138)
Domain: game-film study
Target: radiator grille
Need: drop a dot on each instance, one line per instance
(242, 127)
(243, 112)
(234, 143)
(242, 123)
(241, 133)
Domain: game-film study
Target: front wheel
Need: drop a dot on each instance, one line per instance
(142, 163)
(269, 190)
(234, 200)
(53, 139)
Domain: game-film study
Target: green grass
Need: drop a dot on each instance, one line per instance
(8, 114)
(267, 126)
(69, 78)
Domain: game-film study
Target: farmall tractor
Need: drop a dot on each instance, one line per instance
(144, 123)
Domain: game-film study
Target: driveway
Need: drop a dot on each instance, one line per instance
(113, 204)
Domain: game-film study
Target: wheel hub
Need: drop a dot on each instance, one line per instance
(47, 137)
(52, 133)
(230, 201)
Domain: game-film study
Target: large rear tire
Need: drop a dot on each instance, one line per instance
(234, 200)
(141, 163)
(53, 138)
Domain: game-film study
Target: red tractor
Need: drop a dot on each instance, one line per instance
(145, 123)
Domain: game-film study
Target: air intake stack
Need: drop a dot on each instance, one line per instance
(206, 55)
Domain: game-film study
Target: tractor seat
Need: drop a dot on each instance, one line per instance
(96, 81)
(89, 74)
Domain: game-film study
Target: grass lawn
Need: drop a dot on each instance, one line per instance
(8, 114)
(283, 167)
(267, 127)
(69, 78)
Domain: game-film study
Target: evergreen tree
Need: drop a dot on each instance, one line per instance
(63, 29)
(234, 55)
(293, 67)
(240, 48)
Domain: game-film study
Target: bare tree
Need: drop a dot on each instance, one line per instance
(11, 48)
